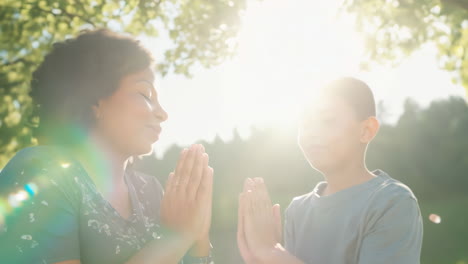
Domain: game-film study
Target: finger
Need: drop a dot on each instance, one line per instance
(243, 216)
(180, 162)
(199, 169)
(278, 222)
(205, 190)
(186, 169)
(210, 182)
(263, 196)
(240, 219)
(169, 183)
(241, 242)
(179, 166)
(249, 223)
(259, 201)
(248, 185)
(250, 203)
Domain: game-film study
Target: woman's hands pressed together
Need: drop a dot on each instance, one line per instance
(187, 202)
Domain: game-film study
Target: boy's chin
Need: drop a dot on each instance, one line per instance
(321, 164)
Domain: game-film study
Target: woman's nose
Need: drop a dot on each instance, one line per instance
(160, 113)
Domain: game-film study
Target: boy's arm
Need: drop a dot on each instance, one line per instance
(396, 237)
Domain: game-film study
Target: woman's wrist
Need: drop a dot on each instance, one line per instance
(201, 248)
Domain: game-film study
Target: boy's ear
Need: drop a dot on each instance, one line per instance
(369, 129)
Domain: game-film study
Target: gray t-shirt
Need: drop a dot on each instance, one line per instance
(375, 222)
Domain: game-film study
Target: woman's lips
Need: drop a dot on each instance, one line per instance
(155, 129)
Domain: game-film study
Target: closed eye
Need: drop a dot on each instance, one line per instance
(146, 97)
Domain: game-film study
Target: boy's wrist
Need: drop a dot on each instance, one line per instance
(266, 255)
(277, 255)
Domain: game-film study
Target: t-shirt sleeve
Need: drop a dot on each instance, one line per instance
(43, 224)
(396, 237)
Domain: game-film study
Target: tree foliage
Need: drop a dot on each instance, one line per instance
(393, 29)
(201, 32)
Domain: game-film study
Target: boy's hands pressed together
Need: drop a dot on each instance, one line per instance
(259, 226)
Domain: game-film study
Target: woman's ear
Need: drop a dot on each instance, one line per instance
(370, 127)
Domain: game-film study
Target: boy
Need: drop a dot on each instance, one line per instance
(355, 216)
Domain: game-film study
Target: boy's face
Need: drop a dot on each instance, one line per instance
(330, 133)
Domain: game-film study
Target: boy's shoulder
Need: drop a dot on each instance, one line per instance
(386, 190)
(391, 189)
(300, 201)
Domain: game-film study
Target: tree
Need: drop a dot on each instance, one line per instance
(201, 32)
(394, 29)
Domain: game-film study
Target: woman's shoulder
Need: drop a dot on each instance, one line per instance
(38, 154)
(39, 165)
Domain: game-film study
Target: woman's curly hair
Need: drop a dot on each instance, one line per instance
(76, 74)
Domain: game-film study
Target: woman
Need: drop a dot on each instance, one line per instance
(76, 198)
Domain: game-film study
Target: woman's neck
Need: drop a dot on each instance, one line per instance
(103, 162)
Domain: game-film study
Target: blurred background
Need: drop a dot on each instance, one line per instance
(232, 74)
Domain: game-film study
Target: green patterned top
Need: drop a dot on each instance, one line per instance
(53, 212)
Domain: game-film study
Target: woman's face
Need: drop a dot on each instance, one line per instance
(130, 119)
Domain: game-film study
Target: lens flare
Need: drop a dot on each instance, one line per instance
(31, 188)
(16, 199)
(3, 212)
(65, 165)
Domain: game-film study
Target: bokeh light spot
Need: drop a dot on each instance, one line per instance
(435, 218)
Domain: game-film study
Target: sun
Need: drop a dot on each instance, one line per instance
(288, 50)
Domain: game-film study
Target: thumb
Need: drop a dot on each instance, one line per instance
(279, 225)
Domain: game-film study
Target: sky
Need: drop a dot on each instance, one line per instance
(286, 50)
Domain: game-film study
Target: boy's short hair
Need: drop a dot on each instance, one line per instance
(356, 92)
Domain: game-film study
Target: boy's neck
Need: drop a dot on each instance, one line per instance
(346, 176)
